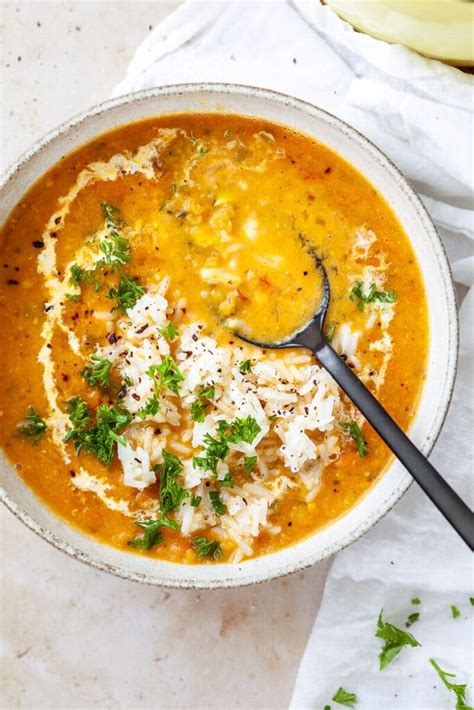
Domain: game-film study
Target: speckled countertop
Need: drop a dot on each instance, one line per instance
(72, 637)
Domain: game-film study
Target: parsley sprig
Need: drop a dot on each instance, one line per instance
(151, 408)
(78, 412)
(395, 639)
(363, 296)
(169, 331)
(33, 426)
(97, 371)
(127, 292)
(166, 375)
(457, 688)
(99, 438)
(217, 504)
(116, 249)
(172, 493)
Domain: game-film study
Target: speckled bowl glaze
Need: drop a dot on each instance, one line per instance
(441, 367)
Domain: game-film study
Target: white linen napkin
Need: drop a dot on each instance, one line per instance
(420, 113)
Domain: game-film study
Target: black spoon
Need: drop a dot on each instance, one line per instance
(443, 496)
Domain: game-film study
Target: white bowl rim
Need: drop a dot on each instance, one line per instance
(452, 325)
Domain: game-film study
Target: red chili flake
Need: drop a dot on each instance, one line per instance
(242, 295)
(12, 282)
(264, 280)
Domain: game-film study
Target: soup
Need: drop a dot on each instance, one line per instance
(128, 403)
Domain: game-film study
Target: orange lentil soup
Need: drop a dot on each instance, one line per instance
(127, 402)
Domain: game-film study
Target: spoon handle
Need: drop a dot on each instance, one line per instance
(443, 496)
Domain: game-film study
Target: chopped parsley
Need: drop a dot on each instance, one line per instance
(330, 332)
(127, 292)
(172, 493)
(153, 535)
(166, 375)
(195, 500)
(354, 430)
(412, 618)
(243, 430)
(273, 418)
(245, 366)
(217, 448)
(249, 464)
(78, 275)
(150, 409)
(99, 439)
(395, 639)
(458, 689)
(363, 295)
(116, 249)
(471, 599)
(416, 600)
(344, 698)
(97, 372)
(33, 426)
(455, 611)
(227, 481)
(217, 504)
(169, 331)
(207, 548)
(78, 412)
(198, 407)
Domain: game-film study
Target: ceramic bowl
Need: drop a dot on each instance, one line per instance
(441, 366)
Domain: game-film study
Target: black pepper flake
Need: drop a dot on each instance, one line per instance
(72, 472)
(142, 329)
(57, 220)
(64, 377)
(327, 171)
(13, 282)
(38, 244)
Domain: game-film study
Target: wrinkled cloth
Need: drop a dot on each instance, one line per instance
(420, 113)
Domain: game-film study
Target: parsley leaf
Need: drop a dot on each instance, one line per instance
(97, 372)
(99, 439)
(344, 698)
(249, 464)
(78, 275)
(152, 530)
(455, 611)
(198, 407)
(207, 548)
(127, 293)
(172, 493)
(412, 618)
(217, 504)
(227, 481)
(151, 537)
(416, 600)
(471, 599)
(354, 430)
(116, 249)
(458, 689)
(215, 450)
(395, 639)
(169, 331)
(168, 374)
(33, 427)
(195, 500)
(245, 366)
(150, 409)
(78, 412)
(363, 295)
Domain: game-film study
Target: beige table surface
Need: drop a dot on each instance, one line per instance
(72, 637)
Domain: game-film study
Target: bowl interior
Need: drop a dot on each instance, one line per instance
(442, 314)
